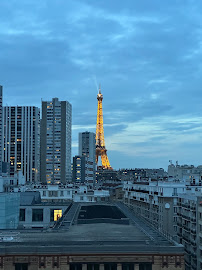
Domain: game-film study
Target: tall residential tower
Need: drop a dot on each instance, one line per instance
(21, 140)
(87, 144)
(84, 165)
(56, 125)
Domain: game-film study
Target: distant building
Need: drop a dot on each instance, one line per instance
(186, 173)
(79, 165)
(83, 170)
(87, 150)
(106, 176)
(87, 144)
(1, 126)
(21, 140)
(137, 173)
(10, 183)
(56, 125)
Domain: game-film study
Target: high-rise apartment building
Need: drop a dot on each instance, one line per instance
(87, 149)
(56, 124)
(21, 140)
(87, 144)
(79, 169)
(1, 126)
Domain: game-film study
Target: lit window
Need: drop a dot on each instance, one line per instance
(57, 214)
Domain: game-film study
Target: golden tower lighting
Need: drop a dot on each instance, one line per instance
(100, 141)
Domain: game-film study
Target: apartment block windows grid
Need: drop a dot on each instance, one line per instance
(21, 133)
(56, 141)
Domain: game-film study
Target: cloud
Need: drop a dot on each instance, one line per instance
(157, 136)
(147, 56)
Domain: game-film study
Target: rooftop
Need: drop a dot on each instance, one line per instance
(69, 237)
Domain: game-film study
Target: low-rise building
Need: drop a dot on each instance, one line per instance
(91, 245)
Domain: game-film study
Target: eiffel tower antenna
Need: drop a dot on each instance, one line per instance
(100, 141)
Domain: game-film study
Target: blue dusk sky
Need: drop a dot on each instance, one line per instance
(147, 55)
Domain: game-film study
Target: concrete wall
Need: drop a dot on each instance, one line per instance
(168, 262)
(28, 223)
(9, 210)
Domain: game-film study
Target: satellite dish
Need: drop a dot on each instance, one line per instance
(167, 206)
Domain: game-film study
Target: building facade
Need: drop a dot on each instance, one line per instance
(189, 228)
(1, 125)
(83, 170)
(87, 150)
(21, 135)
(156, 202)
(56, 124)
(88, 236)
(87, 144)
(78, 172)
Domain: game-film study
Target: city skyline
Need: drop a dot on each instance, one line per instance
(145, 55)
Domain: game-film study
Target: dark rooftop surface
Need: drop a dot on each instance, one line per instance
(71, 238)
(100, 211)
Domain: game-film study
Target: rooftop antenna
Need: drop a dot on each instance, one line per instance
(95, 81)
(99, 88)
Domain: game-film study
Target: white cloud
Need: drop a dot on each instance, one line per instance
(157, 136)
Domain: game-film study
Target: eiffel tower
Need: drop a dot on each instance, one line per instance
(100, 141)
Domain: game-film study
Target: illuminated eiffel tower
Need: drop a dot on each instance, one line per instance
(100, 141)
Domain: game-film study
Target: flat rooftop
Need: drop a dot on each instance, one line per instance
(100, 211)
(95, 238)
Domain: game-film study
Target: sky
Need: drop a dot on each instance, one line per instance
(147, 56)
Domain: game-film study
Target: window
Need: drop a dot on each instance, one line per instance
(110, 266)
(75, 266)
(145, 266)
(37, 214)
(21, 266)
(92, 266)
(127, 266)
(22, 215)
(55, 214)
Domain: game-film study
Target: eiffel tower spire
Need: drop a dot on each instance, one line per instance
(100, 141)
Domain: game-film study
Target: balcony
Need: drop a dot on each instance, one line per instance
(186, 228)
(193, 219)
(193, 243)
(187, 251)
(186, 238)
(193, 231)
(186, 217)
